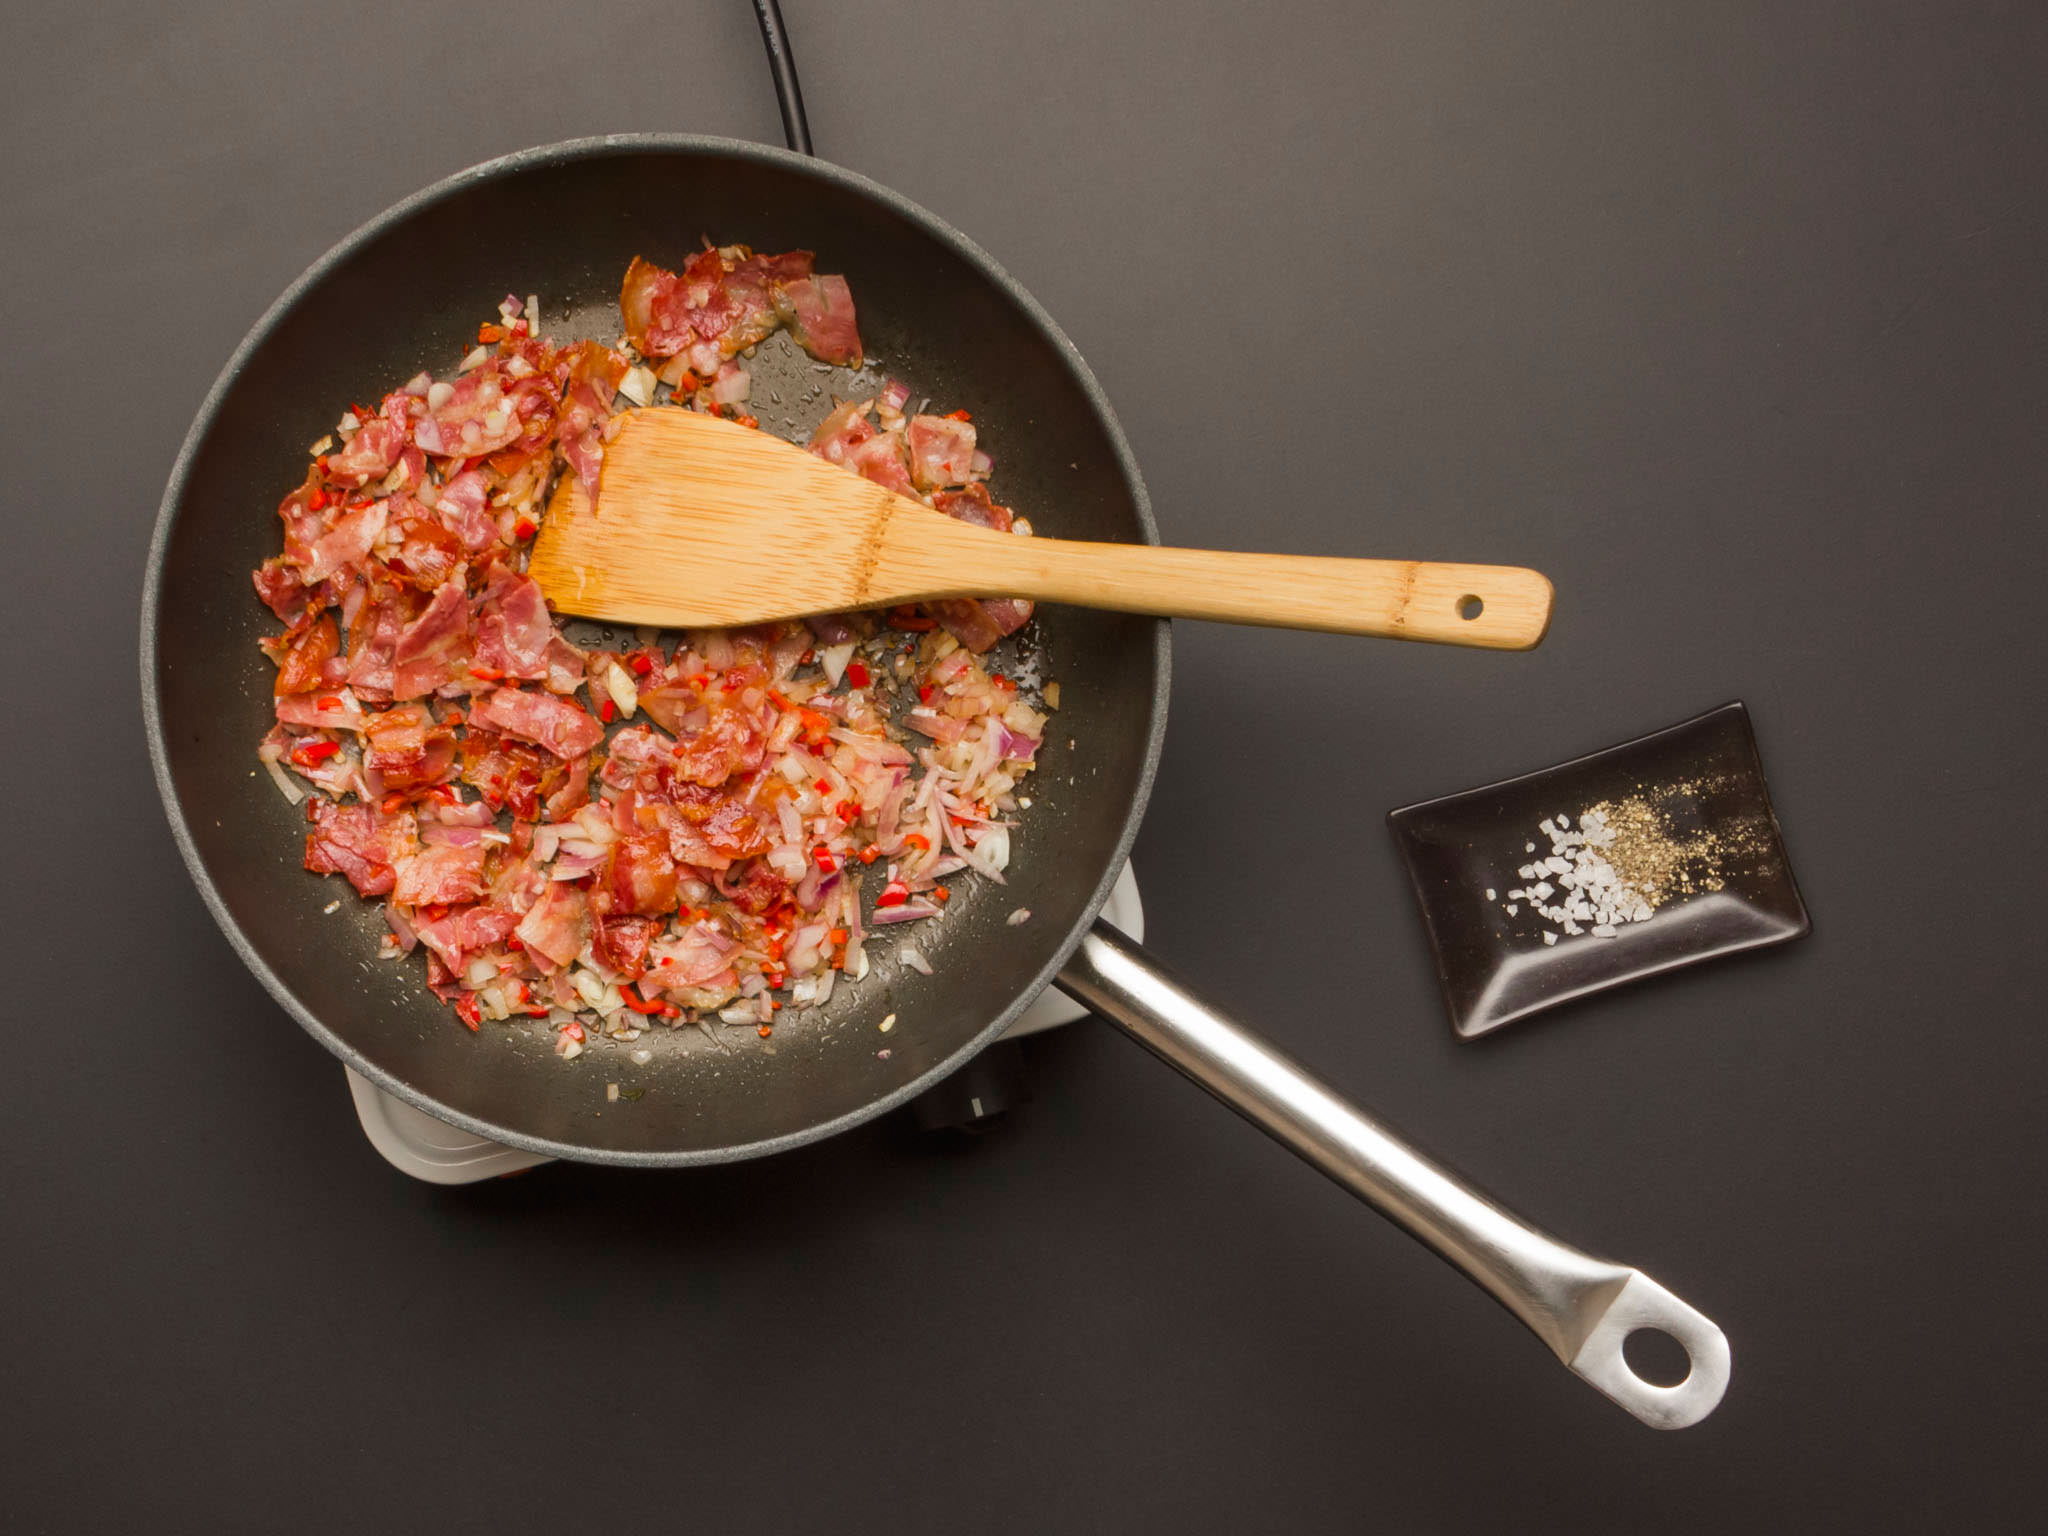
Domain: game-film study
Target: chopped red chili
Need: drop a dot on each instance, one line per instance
(642, 666)
(857, 674)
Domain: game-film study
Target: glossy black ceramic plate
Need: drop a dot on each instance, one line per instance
(1701, 842)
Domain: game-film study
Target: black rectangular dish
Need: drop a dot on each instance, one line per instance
(1694, 869)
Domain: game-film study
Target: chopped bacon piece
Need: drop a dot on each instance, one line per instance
(429, 552)
(457, 936)
(407, 748)
(751, 283)
(1008, 614)
(565, 666)
(585, 457)
(372, 641)
(302, 668)
(352, 840)
(639, 878)
(565, 799)
(336, 711)
(728, 743)
(819, 314)
(880, 459)
(478, 415)
(941, 451)
(441, 875)
(733, 831)
(368, 455)
(281, 590)
(759, 889)
(973, 505)
(846, 428)
(514, 627)
(347, 544)
(434, 648)
(650, 303)
(556, 724)
(554, 929)
(463, 508)
(621, 943)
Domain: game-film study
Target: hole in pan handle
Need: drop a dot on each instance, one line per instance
(1582, 1307)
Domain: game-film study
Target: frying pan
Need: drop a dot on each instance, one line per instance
(403, 293)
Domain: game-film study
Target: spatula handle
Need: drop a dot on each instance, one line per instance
(1497, 607)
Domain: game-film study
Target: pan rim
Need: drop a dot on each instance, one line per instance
(169, 509)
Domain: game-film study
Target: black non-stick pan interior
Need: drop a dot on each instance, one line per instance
(406, 293)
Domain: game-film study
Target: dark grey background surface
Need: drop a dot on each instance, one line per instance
(1734, 320)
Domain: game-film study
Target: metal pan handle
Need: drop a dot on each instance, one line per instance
(1582, 1307)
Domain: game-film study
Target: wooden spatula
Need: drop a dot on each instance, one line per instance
(705, 522)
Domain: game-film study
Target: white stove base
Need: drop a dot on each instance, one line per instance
(416, 1143)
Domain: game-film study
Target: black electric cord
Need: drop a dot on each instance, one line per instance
(796, 129)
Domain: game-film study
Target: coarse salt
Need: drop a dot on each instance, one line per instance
(1591, 895)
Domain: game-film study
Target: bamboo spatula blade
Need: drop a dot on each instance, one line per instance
(703, 522)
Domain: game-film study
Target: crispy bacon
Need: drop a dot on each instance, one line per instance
(416, 654)
(462, 508)
(819, 314)
(406, 748)
(639, 878)
(759, 889)
(346, 544)
(368, 455)
(458, 935)
(434, 648)
(541, 718)
(728, 743)
(621, 943)
(715, 308)
(440, 875)
(429, 553)
(880, 459)
(554, 929)
(372, 641)
(478, 415)
(513, 627)
(302, 667)
(352, 840)
(845, 429)
(281, 590)
(941, 451)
